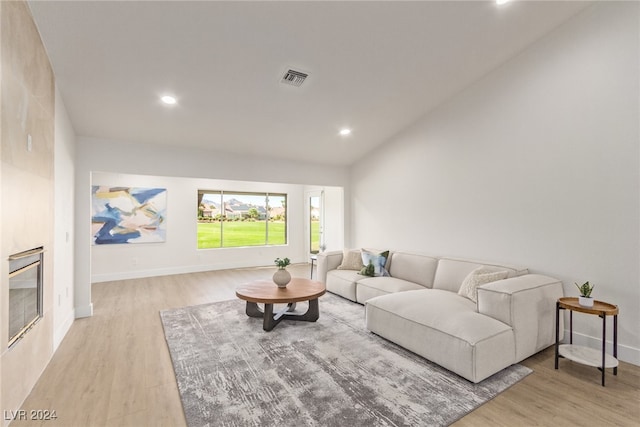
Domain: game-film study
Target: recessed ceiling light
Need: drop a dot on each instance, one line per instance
(501, 2)
(169, 100)
(345, 132)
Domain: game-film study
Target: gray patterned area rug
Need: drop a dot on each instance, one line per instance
(329, 373)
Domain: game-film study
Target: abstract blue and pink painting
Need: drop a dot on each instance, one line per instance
(128, 214)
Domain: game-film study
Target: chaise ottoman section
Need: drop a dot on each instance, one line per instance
(444, 328)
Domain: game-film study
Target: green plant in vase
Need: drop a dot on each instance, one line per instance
(282, 276)
(282, 263)
(585, 298)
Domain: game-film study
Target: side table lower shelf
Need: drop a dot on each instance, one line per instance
(586, 356)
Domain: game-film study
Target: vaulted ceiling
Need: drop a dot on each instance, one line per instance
(374, 67)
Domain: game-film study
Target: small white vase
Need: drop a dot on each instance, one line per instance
(585, 301)
(281, 278)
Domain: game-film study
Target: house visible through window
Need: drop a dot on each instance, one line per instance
(234, 219)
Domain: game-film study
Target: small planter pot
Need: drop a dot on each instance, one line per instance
(281, 278)
(585, 301)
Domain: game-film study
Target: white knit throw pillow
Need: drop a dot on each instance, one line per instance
(351, 260)
(478, 277)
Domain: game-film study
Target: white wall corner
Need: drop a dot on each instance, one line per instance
(84, 311)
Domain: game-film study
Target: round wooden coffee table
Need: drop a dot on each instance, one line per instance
(266, 292)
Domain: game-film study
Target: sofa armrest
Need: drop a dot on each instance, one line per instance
(327, 261)
(527, 304)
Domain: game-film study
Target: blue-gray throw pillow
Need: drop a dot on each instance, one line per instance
(377, 260)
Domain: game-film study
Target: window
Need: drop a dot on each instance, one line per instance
(229, 219)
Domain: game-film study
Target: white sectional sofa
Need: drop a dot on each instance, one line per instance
(418, 307)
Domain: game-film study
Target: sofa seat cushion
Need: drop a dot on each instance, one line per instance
(375, 286)
(343, 283)
(444, 328)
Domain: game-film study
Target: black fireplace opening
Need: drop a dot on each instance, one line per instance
(25, 292)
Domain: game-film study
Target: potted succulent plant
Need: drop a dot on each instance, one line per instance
(282, 277)
(585, 298)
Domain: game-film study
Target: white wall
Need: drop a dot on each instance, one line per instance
(333, 221)
(181, 171)
(179, 253)
(63, 253)
(536, 164)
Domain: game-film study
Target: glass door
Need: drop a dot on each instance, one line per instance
(316, 241)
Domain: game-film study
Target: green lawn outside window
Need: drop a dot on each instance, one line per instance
(240, 233)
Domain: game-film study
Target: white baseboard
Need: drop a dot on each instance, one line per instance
(625, 353)
(61, 331)
(84, 311)
(139, 274)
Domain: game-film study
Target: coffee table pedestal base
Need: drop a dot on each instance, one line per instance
(271, 319)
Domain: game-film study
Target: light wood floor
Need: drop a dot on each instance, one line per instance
(114, 369)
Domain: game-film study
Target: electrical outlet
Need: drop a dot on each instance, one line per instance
(29, 142)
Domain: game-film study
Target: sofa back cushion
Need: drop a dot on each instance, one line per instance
(414, 268)
(451, 272)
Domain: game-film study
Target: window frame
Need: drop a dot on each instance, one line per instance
(223, 216)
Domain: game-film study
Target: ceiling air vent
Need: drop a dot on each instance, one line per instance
(294, 78)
